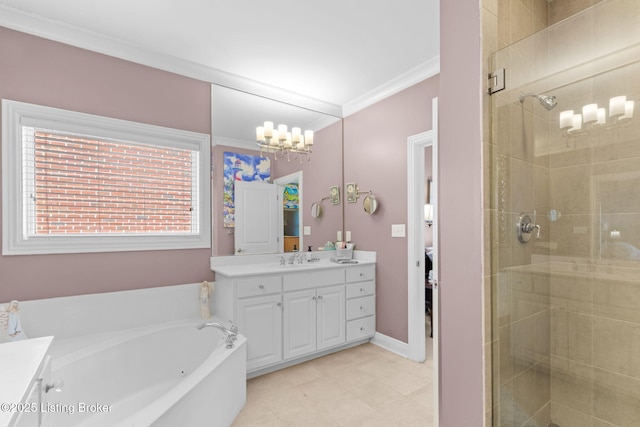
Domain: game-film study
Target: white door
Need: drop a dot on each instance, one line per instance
(331, 316)
(299, 323)
(256, 217)
(260, 320)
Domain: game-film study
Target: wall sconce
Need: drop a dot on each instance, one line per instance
(370, 203)
(282, 141)
(428, 214)
(594, 118)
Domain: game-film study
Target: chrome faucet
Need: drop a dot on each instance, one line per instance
(230, 334)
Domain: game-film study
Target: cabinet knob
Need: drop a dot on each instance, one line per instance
(261, 287)
(361, 308)
(362, 328)
(314, 298)
(279, 304)
(320, 297)
(361, 289)
(361, 274)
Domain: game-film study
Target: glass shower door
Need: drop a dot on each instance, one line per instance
(566, 224)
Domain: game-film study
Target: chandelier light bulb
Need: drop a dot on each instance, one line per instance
(602, 116)
(617, 106)
(260, 134)
(566, 119)
(628, 110)
(590, 113)
(268, 129)
(308, 137)
(577, 123)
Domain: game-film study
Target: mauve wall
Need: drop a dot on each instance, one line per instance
(43, 72)
(375, 158)
(460, 219)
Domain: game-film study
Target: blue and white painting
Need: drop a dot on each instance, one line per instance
(241, 167)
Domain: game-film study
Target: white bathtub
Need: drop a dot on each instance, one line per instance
(163, 375)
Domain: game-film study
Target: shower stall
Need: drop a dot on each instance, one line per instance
(565, 222)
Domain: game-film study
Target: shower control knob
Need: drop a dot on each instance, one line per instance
(525, 227)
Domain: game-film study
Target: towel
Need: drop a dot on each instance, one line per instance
(205, 292)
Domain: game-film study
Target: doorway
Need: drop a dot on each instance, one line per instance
(416, 191)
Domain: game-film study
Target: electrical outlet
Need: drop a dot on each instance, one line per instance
(339, 236)
(307, 230)
(398, 230)
(348, 236)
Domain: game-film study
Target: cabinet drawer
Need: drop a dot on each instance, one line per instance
(255, 286)
(361, 328)
(314, 279)
(361, 274)
(362, 289)
(361, 307)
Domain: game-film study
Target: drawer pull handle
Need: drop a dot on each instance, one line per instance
(361, 308)
(261, 287)
(362, 328)
(361, 289)
(361, 274)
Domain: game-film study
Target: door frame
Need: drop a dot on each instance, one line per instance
(292, 178)
(416, 145)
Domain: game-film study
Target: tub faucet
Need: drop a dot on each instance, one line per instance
(230, 334)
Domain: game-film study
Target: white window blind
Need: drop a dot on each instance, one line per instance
(76, 185)
(145, 188)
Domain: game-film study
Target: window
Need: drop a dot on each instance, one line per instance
(74, 182)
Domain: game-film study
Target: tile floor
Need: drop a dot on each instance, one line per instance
(361, 386)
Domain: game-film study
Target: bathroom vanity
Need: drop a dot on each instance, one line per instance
(25, 372)
(295, 312)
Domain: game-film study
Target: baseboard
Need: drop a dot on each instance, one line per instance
(391, 344)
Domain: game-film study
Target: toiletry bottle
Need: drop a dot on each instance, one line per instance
(309, 250)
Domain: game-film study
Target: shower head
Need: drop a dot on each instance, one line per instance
(547, 101)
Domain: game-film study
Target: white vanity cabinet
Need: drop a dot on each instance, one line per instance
(361, 302)
(314, 311)
(297, 313)
(255, 305)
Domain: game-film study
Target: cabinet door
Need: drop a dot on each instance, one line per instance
(331, 316)
(299, 323)
(260, 320)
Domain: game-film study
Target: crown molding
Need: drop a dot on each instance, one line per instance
(85, 39)
(235, 143)
(417, 74)
(90, 40)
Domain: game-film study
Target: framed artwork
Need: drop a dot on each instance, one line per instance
(241, 167)
(352, 192)
(334, 193)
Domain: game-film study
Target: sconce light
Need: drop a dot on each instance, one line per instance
(595, 118)
(282, 141)
(370, 202)
(428, 214)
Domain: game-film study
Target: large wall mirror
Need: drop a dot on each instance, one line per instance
(237, 157)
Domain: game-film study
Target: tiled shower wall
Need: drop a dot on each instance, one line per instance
(562, 347)
(517, 309)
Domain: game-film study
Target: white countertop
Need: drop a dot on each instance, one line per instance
(250, 265)
(19, 364)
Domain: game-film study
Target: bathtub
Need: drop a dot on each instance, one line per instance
(162, 375)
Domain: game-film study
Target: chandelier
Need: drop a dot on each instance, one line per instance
(283, 142)
(594, 118)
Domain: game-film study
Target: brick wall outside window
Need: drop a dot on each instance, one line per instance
(83, 185)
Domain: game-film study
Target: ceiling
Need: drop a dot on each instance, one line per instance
(331, 55)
